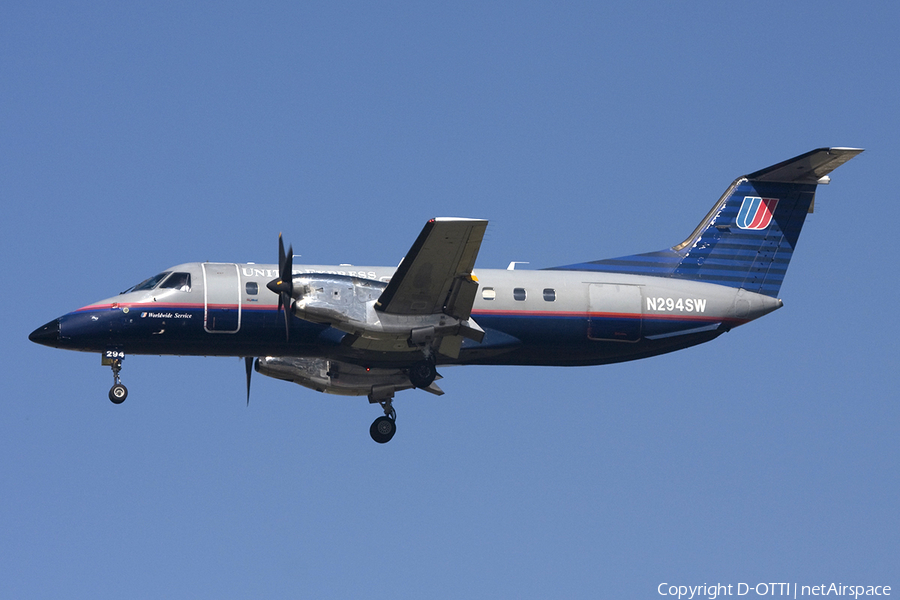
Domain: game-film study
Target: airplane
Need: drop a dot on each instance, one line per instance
(374, 331)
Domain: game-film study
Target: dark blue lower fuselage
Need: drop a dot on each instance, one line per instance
(510, 338)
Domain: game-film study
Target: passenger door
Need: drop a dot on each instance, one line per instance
(221, 298)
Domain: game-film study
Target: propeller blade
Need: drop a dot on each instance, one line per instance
(288, 308)
(287, 268)
(287, 275)
(280, 263)
(283, 286)
(248, 361)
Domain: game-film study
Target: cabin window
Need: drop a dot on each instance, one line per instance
(177, 281)
(252, 288)
(519, 294)
(488, 293)
(549, 295)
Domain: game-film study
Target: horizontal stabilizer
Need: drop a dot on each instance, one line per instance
(806, 168)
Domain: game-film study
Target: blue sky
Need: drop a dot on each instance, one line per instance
(138, 136)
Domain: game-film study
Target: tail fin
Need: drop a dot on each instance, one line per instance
(747, 239)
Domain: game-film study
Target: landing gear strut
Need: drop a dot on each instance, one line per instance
(118, 392)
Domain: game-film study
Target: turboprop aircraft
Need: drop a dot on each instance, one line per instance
(374, 331)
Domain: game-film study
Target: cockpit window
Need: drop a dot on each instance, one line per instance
(147, 284)
(178, 281)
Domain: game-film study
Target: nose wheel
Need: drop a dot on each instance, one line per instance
(118, 392)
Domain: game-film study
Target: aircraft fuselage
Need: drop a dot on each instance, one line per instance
(540, 317)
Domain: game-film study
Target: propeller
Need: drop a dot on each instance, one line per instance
(283, 286)
(248, 361)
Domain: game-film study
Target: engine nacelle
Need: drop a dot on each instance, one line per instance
(334, 377)
(334, 299)
(348, 304)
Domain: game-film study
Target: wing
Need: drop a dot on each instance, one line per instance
(436, 274)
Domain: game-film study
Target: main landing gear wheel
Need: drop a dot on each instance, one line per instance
(422, 374)
(118, 393)
(383, 429)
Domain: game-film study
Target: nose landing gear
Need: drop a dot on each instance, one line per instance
(118, 392)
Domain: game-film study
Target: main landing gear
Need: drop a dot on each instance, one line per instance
(383, 428)
(118, 392)
(423, 373)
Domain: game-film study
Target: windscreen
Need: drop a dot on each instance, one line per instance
(147, 284)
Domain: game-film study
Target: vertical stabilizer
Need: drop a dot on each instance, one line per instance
(747, 239)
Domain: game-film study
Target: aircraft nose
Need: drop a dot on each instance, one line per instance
(47, 335)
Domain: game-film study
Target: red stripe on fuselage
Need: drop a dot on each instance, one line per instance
(158, 306)
(603, 315)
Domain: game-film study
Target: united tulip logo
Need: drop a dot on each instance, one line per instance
(756, 213)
